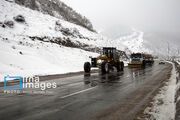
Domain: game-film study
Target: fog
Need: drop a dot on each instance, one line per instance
(159, 18)
(145, 14)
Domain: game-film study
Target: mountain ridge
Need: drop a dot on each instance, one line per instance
(58, 9)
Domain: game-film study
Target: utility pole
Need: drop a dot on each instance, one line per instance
(178, 55)
(168, 50)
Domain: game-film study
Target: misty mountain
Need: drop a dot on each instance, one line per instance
(57, 9)
(162, 43)
(116, 31)
(155, 41)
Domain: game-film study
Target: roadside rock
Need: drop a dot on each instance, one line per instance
(58, 26)
(9, 23)
(19, 18)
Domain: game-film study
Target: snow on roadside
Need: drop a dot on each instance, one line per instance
(39, 58)
(178, 62)
(178, 85)
(163, 105)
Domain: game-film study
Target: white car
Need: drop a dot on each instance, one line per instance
(162, 62)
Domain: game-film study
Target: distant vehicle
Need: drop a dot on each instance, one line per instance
(162, 62)
(149, 59)
(108, 59)
(137, 60)
(140, 60)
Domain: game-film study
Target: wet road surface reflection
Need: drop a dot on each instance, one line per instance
(77, 97)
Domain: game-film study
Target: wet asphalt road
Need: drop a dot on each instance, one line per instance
(91, 96)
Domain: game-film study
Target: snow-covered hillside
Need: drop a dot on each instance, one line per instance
(43, 44)
(135, 42)
(21, 55)
(131, 39)
(58, 9)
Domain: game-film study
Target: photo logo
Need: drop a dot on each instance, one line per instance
(29, 82)
(6, 78)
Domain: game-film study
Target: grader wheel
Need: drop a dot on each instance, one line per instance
(87, 67)
(105, 67)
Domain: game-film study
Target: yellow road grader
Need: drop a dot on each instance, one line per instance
(108, 59)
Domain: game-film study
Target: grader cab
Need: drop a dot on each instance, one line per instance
(109, 58)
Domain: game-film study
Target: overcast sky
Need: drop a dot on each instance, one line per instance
(161, 15)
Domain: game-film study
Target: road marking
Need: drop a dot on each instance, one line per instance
(77, 92)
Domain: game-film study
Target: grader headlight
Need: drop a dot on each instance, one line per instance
(99, 61)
